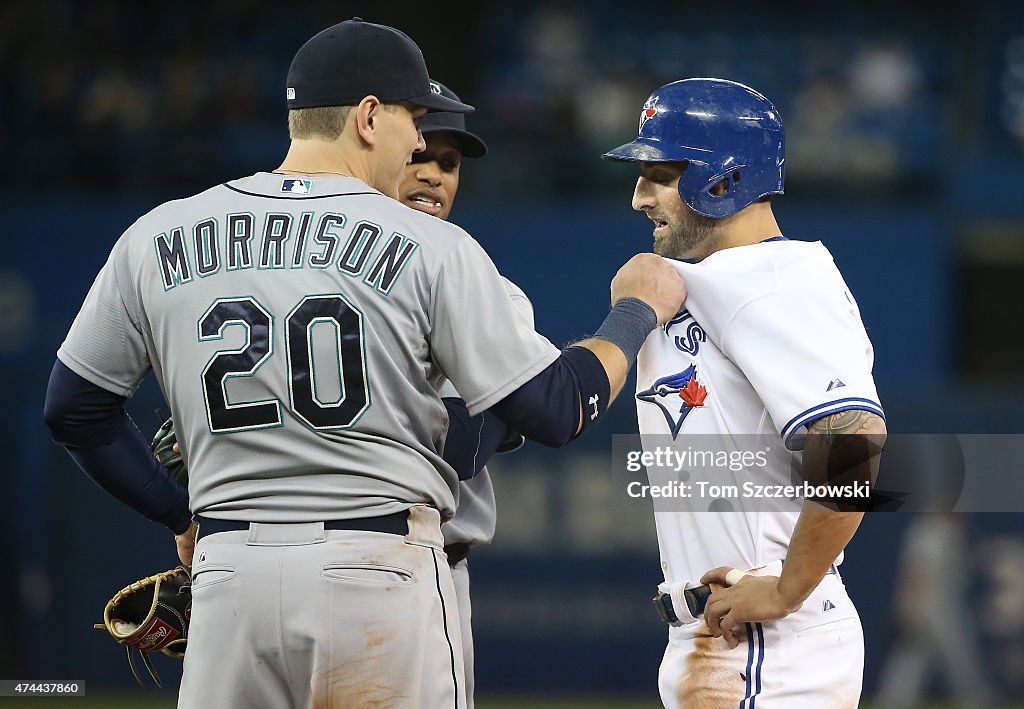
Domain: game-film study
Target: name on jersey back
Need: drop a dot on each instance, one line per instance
(279, 240)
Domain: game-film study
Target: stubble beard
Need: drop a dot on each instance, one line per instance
(692, 238)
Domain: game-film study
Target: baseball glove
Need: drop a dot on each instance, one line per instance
(163, 449)
(150, 615)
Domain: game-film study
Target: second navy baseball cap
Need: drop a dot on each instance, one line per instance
(446, 122)
(354, 59)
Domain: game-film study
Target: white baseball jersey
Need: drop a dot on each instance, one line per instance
(770, 340)
(476, 512)
(300, 329)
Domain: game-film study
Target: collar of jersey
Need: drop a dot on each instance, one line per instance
(267, 191)
(765, 241)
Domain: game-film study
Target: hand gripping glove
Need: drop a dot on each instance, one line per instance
(163, 449)
(151, 615)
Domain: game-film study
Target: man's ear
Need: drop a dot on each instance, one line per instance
(367, 111)
(721, 187)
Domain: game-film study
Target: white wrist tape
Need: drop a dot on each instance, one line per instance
(732, 578)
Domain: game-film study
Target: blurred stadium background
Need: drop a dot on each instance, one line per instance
(905, 136)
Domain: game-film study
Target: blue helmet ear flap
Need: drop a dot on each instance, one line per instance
(701, 192)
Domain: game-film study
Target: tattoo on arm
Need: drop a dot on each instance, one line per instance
(852, 421)
(844, 447)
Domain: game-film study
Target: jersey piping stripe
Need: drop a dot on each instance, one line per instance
(281, 196)
(755, 653)
(829, 412)
(750, 662)
(822, 405)
(760, 661)
(851, 402)
(444, 619)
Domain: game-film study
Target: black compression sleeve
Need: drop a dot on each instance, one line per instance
(127, 469)
(92, 425)
(78, 412)
(471, 440)
(547, 408)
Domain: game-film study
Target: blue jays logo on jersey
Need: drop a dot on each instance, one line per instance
(692, 336)
(296, 186)
(676, 395)
(649, 111)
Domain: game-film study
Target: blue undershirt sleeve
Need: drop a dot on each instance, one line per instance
(471, 440)
(548, 408)
(92, 425)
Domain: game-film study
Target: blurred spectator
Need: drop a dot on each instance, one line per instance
(609, 108)
(1012, 85)
(18, 313)
(934, 622)
(556, 47)
(1003, 622)
(144, 89)
(117, 100)
(884, 77)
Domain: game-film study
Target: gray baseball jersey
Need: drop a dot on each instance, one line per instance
(476, 512)
(300, 329)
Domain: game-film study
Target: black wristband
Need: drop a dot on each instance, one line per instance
(628, 325)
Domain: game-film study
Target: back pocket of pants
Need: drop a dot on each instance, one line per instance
(203, 576)
(367, 573)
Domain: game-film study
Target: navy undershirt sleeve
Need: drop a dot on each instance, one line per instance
(547, 408)
(92, 425)
(472, 440)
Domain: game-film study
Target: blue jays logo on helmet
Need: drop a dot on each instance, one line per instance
(725, 132)
(676, 395)
(649, 111)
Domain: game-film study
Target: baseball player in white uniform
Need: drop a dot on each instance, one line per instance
(770, 342)
(299, 323)
(430, 185)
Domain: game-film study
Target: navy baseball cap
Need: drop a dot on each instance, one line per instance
(447, 122)
(354, 59)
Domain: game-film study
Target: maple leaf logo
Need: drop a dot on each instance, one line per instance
(693, 394)
(649, 111)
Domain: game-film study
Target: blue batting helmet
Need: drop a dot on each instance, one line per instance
(724, 131)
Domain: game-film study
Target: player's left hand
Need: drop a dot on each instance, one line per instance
(752, 599)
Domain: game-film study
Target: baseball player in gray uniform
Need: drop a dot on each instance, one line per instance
(430, 185)
(299, 323)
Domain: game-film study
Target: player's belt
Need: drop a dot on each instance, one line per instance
(394, 523)
(695, 598)
(456, 552)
